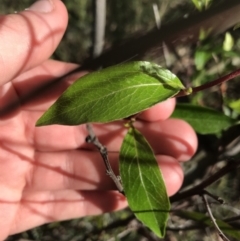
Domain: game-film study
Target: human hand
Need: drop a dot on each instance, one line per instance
(49, 173)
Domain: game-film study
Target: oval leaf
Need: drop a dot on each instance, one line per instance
(203, 120)
(112, 93)
(143, 183)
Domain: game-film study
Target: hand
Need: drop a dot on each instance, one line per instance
(47, 173)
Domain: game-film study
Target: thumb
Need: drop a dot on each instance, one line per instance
(30, 37)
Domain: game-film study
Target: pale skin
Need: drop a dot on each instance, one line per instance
(49, 173)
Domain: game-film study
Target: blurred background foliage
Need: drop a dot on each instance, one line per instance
(195, 63)
(123, 19)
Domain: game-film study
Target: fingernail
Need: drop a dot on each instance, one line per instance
(42, 6)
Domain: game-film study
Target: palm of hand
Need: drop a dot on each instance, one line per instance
(35, 173)
(49, 174)
(44, 174)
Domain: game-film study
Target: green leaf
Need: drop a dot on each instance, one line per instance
(198, 4)
(235, 105)
(204, 33)
(225, 227)
(236, 26)
(203, 120)
(143, 183)
(201, 4)
(112, 94)
(201, 58)
(228, 42)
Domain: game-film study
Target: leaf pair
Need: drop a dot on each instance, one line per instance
(115, 93)
(119, 92)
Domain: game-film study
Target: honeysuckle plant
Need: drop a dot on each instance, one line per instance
(123, 91)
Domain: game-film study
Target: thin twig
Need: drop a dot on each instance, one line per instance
(217, 198)
(99, 27)
(122, 234)
(91, 138)
(158, 25)
(220, 233)
(156, 15)
(231, 165)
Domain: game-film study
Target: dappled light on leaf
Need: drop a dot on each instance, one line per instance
(143, 183)
(112, 94)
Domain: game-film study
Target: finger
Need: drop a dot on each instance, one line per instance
(85, 170)
(171, 137)
(160, 111)
(38, 208)
(172, 173)
(30, 37)
(36, 89)
(39, 87)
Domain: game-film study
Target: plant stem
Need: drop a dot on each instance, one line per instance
(218, 81)
(218, 199)
(104, 153)
(231, 165)
(220, 233)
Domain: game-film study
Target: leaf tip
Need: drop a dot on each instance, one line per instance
(43, 121)
(39, 122)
